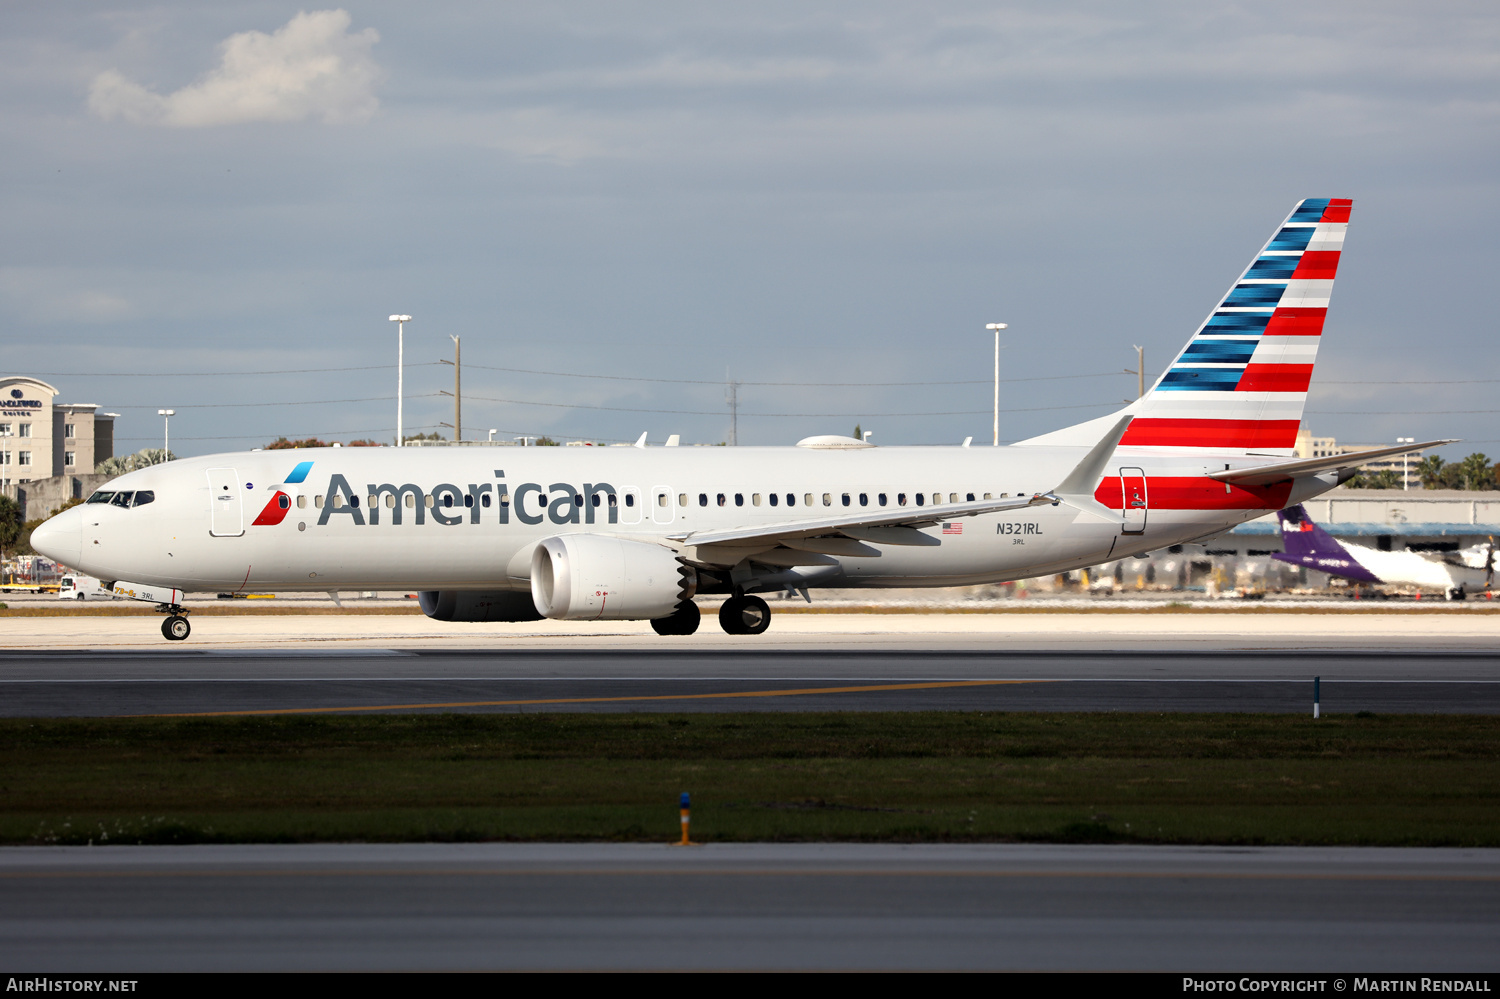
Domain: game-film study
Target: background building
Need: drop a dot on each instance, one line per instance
(42, 440)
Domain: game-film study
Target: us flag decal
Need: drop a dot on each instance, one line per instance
(955, 528)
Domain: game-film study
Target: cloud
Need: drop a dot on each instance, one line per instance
(310, 67)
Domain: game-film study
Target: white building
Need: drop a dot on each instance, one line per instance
(41, 438)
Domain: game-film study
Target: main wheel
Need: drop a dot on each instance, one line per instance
(176, 628)
(683, 621)
(745, 616)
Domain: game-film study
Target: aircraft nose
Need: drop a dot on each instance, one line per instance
(61, 537)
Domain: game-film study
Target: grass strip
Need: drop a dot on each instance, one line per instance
(918, 776)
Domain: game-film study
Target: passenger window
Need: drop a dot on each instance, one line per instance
(970, 498)
(629, 499)
(122, 499)
(614, 501)
(337, 499)
(485, 500)
(144, 496)
(301, 502)
(920, 498)
(937, 499)
(390, 501)
(846, 499)
(682, 499)
(372, 501)
(721, 499)
(988, 496)
(739, 499)
(828, 499)
(469, 500)
(900, 499)
(755, 499)
(864, 499)
(881, 497)
(284, 501)
(428, 501)
(661, 499)
(411, 501)
(791, 499)
(807, 499)
(775, 497)
(317, 502)
(953, 497)
(448, 500)
(596, 499)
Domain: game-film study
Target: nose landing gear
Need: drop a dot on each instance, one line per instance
(175, 628)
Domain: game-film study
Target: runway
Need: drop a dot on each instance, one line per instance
(184, 682)
(752, 906)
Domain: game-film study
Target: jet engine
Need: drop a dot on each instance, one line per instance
(478, 605)
(590, 577)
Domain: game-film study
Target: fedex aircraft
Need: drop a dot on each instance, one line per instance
(634, 533)
(1305, 543)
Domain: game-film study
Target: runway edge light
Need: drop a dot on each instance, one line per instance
(685, 805)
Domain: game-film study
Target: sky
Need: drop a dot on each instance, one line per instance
(619, 207)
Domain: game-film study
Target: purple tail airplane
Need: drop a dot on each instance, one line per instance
(1306, 544)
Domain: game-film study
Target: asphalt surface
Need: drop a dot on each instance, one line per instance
(751, 906)
(39, 684)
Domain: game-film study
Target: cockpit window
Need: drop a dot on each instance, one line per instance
(122, 499)
(101, 497)
(143, 496)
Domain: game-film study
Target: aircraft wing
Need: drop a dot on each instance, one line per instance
(1075, 490)
(1266, 474)
(922, 516)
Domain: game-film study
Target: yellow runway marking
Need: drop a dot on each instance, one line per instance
(599, 700)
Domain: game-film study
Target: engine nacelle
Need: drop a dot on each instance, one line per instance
(478, 605)
(590, 577)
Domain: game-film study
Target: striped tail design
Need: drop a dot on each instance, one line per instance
(1241, 381)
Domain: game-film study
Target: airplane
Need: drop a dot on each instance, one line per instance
(1307, 544)
(635, 533)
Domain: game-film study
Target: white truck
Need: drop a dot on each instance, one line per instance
(77, 586)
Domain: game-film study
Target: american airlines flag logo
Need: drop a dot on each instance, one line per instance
(954, 528)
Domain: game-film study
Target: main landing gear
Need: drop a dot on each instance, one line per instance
(175, 628)
(682, 621)
(745, 615)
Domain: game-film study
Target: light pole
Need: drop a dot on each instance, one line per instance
(1405, 481)
(997, 327)
(493, 432)
(166, 431)
(400, 322)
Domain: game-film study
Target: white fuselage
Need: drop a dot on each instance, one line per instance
(471, 517)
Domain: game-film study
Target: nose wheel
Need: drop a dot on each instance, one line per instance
(176, 628)
(745, 615)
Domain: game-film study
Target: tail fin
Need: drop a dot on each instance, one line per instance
(1305, 543)
(1241, 381)
(1301, 537)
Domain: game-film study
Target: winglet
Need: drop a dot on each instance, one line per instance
(1077, 490)
(1084, 478)
(641, 440)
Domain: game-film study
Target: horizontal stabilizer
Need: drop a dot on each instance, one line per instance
(1263, 475)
